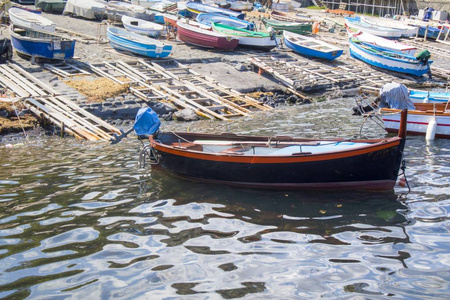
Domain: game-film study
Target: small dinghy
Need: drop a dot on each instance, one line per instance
(125, 40)
(209, 18)
(142, 27)
(310, 47)
(41, 44)
(389, 60)
(275, 162)
(27, 19)
(256, 39)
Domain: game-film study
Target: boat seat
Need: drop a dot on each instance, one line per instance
(187, 146)
(235, 150)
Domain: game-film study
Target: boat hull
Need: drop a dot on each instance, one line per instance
(142, 46)
(205, 38)
(43, 47)
(417, 122)
(380, 61)
(372, 167)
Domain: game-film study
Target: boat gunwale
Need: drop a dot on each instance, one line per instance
(376, 145)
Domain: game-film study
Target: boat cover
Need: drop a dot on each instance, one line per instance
(395, 95)
(83, 8)
(146, 122)
(51, 6)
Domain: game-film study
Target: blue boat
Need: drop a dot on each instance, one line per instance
(196, 8)
(432, 33)
(417, 96)
(310, 47)
(124, 40)
(389, 60)
(208, 18)
(39, 44)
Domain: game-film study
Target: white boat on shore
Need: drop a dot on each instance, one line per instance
(26, 19)
(408, 31)
(378, 41)
(358, 23)
(142, 27)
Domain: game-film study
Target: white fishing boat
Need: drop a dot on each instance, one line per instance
(427, 117)
(374, 40)
(389, 60)
(408, 31)
(358, 24)
(26, 19)
(142, 26)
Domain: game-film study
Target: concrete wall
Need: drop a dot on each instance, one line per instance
(443, 5)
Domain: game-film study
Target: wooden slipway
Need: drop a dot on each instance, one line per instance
(45, 102)
(303, 74)
(169, 81)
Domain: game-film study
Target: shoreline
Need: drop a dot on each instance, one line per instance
(229, 68)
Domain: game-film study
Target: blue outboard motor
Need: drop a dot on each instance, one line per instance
(146, 122)
(427, 15)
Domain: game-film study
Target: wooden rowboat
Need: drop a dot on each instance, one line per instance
(124, 40)
(41, 44)
(310, 47)
(249, 38)
(30, 20)
(198, 34)
(388, 60)
(419, 119)
(142, 27)
(277, 25)
(281, 162)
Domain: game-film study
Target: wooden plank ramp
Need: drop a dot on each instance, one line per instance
(151, 83)
(45, 102)
(304, 74)
(65, 69)
(185, 74)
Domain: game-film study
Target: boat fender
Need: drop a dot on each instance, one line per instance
(426, 100)
(431, 130)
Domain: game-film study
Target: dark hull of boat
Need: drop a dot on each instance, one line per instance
(372, 168)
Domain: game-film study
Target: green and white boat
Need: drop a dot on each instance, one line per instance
(295, 27)
(249, 38)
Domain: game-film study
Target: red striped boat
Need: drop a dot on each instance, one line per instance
(420, 118)
(201, 35)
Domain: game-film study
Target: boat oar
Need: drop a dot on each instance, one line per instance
(117, 138)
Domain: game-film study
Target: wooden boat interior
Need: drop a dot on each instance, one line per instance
(311, 44)
(268, 147)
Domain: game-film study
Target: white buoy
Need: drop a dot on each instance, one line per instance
(426, 100)
(431, 130)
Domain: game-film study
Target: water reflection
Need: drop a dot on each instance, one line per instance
(79, 219)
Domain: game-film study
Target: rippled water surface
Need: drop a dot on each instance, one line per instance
(80, 219)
